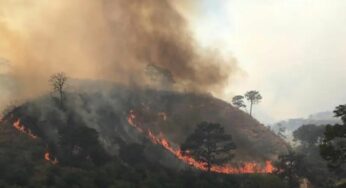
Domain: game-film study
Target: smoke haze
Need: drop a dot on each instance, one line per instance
(108, 39)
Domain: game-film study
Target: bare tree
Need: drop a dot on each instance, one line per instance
(254, 97)
(238, 101)
(58, 82)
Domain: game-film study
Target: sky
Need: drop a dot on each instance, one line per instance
(292, 51)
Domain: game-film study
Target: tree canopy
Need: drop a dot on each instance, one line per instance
(209, 144)
(309, 134)
(254, 97)
(238, 101)
(333, 146)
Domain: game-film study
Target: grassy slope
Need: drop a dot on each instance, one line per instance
(107, 112)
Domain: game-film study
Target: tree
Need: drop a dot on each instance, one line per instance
(238, 101)
(309, 135)
(290, 167)
(340, 111)
(333, 146)
(209, 144)
(254, 97)
(282, 131)
(58, 82)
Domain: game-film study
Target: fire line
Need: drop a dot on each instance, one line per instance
(244, 168)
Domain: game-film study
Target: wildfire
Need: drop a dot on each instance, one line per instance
(20, 127)
(244, 168)
(50, 158)
(131, 120)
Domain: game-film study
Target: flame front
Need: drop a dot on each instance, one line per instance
(244, 168)
(20, 127)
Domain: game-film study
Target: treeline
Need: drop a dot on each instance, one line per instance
(319, 156)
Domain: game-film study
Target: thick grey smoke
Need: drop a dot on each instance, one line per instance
(112, 40)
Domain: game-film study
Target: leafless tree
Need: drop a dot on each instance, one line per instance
(58, 82)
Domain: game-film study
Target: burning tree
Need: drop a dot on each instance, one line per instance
(58, 82)
(209, 144)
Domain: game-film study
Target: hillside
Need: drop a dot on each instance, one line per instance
(92, 134)
(169, 113)
(321, 118)
(287, 127)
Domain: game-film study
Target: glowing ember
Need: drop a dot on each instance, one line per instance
(131, 118)
(245, 168)
(50, 158)
(20, 127)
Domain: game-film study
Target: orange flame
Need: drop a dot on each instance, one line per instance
(20, 127)
(48, 157)
(245, 168)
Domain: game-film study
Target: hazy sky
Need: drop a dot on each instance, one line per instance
(292, 51)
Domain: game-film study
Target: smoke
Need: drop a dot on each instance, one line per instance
(111, 40)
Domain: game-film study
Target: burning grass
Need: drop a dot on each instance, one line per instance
(161, 139)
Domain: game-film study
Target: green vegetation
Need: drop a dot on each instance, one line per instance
(333, 146)
(320, 157)
(309, 135)
(209, 144)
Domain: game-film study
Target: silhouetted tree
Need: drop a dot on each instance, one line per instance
(254, 97)
(333, 146)
(309, 135)
(340, 111)
(58, 82)
(209, 144)
(238, 101)
(281, 131)
(290, 167)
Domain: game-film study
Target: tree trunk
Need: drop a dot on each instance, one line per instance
(290, 179)
(61, 98)
(251, 108)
